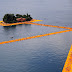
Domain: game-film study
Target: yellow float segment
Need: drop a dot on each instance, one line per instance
(4, 42)
(30, 22)
(48, 25)
(68, 63)
(7, 24)
(34, 20)
(1, 21)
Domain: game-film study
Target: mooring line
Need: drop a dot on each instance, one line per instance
(68, 63)
(4, 42)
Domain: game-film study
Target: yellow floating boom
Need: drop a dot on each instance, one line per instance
(30, 22)
(68, 63)
(7, 24)
(4, 42)
(48, 25)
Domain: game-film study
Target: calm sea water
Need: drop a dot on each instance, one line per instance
(45, 54)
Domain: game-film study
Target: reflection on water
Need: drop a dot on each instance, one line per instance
(9, 27)
(46, 54)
